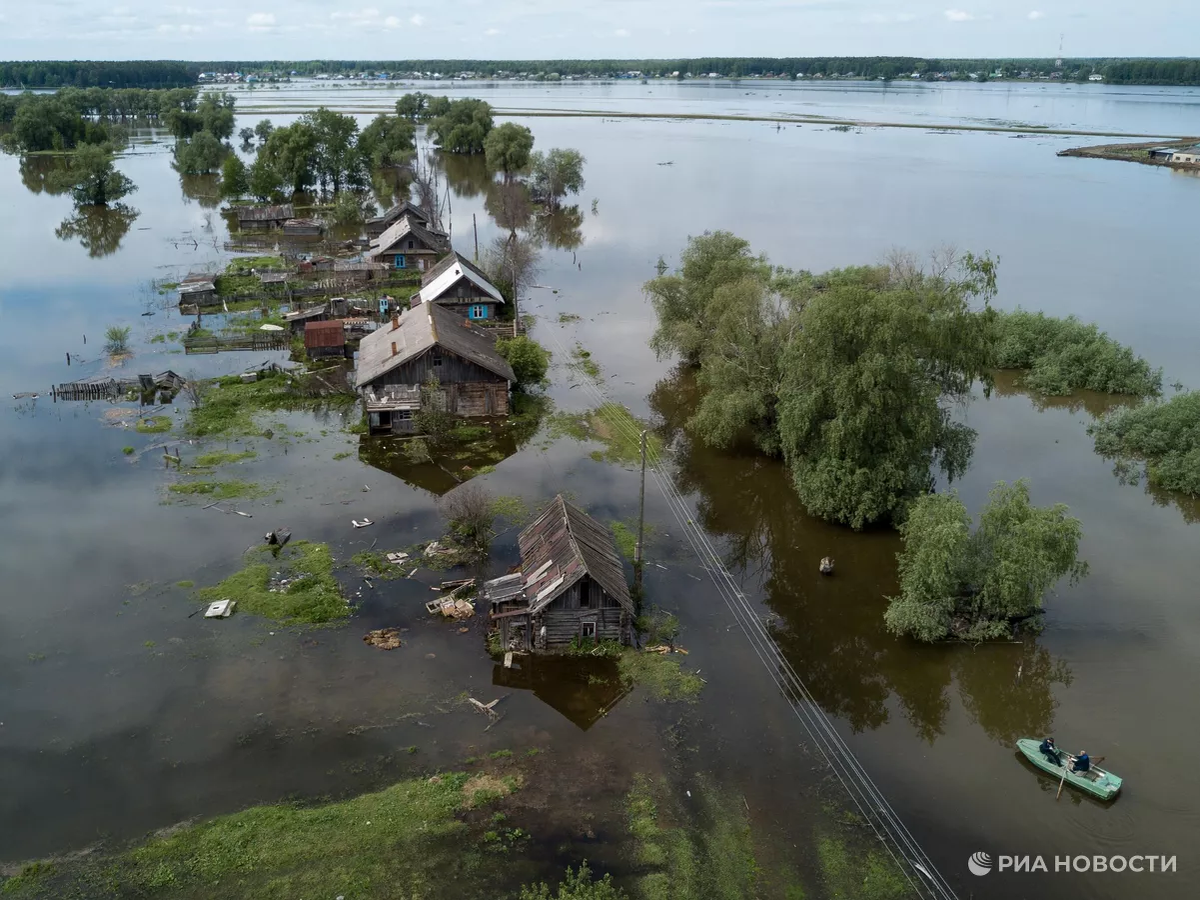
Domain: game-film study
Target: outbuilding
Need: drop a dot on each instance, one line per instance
(460, 286)
(325, 339)
(409, 245)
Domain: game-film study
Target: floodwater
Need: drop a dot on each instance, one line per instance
(121, 714)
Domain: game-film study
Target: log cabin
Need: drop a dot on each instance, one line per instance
(396, 360)
(571, 587)
(460, 286)
(379, 224)
(263, 218)
(409, 245)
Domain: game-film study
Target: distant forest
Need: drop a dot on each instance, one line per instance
(160, 74)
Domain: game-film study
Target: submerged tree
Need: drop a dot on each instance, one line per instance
(387, 142)
(94, 179)
(116, 339)
(234, 177)
(529, 359)
(869, 380)
(199, 154)
(978, 585)
(469, 512)
(556, 174)
(463, 126)
(512, 263)
(508, 148)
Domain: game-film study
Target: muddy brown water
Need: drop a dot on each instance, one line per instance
(121, 714)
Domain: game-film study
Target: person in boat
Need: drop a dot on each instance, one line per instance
(1082, 762)
(1047, 747)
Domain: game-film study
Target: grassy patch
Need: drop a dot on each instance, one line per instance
(657, 626)
(229, 408)
(1164, 436)
(625, 534)
(703, 852)
(222, 490)
(1064, 355)
(582, 362)
(376, 563)
(222, 458)
(185, 584)
(858, 873)
(128, 451)
(567, 318)
(405, 841)
(311, 593)
(153, 425)
(345, 454)
(660, 674)
(611, 425)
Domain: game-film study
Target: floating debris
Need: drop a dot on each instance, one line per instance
(221, 609)
(383, 638)
(363, 524)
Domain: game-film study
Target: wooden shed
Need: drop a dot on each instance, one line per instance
(379, 224)
(325, 339)
(430, 342)
(460, 286)
(571, 587)
(409, 245)
(302, 228)
(263, 218)
(197, 293)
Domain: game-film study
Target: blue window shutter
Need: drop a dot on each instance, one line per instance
(399, 260)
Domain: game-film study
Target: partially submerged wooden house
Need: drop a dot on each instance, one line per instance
(302, 228)
(379, 224)
(429, 342)
(263, 218)
(325, 339)
(571, 587)
(409, 244)
(199, 292)
(460, 286)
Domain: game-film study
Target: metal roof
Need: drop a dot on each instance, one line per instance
(324, 334)
(420, 329)
(561, 546)
(407, 208)
(386, 242)
(197, 287)
(449, 272)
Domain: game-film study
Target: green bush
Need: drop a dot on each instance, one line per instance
(529, 360)
(1064, 355)
(1164, 435)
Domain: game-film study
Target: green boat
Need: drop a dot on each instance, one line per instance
(1095, 781)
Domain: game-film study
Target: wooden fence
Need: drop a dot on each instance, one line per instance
(266, 340)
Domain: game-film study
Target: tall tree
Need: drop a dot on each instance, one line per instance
(234, 178)
(95, 180)
(337, 161)
(463, 126)
(199, 154)
(292, 152)
(389, 141)
(508, 148)
(870, 377)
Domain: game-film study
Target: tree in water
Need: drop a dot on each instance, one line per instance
(556, 174)
(94, 179)
(870, 376)
(234, 178)
(462, 126)
(978, 585)
(388, 142)
(508, 148)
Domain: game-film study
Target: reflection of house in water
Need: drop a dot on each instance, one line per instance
(446, 470)
(581, 688)
(571, 587)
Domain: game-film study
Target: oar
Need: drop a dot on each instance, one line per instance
(1064, 780)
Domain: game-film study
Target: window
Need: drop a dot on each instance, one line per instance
(585, 600)
(478, 311)
(411, 245)
(587, 630)
(400, 263)
(403, 414)
(437, 358)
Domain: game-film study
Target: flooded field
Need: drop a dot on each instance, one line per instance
(122, 713)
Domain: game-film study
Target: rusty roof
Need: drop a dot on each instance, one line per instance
(324, 334)
(561, 546)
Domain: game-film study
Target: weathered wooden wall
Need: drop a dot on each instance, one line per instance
(468, 389)
(563, 619)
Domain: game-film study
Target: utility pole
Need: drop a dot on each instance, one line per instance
(475, 227)
(637, 549)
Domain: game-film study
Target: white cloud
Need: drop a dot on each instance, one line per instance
(1037, 14)
(417, 19)
(958, 15)
(179, 29)
(391, 22)
(492, 32)
(261, 21)
(358, 17)
(621, 32)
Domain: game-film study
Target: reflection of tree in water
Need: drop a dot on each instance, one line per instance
(98, 228)
(509, 205)
(467, 174)
(391, 187)
(831, 629)
(559, 229)
(46, 174)
(204, 189)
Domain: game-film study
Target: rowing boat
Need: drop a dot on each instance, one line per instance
(1095, 781)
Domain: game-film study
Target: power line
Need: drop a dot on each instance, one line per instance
(897, 840)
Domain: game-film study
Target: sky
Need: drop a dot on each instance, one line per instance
(588, 29)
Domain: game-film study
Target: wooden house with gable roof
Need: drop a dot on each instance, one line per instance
(460, 286)
(398, 358)
(409, 244)
(571, 586)
(379, 224)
